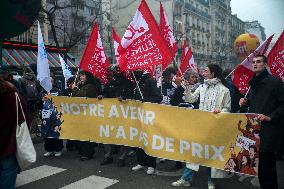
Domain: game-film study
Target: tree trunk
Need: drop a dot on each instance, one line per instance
(49, 16)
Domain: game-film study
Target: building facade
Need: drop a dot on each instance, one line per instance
(254, 27)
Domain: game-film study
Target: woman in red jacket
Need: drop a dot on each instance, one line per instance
(8, 123)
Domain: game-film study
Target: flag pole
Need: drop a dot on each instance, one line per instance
(137, 85)
(162, 79)
(77, 75)
(76, 78)
(230, 73)
(245, 97)
(178, 67)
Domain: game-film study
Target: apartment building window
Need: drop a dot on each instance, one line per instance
(187, 19)
(206, 10)
(91, 11)
(81, 5)
(198, 23)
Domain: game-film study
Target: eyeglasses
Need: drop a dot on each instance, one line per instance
(257, 61)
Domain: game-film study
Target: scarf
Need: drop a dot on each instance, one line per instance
(210, 94)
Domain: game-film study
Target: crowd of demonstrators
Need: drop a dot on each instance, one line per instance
(9, 167)
(118, 86)
(145, 91)
(211, 93)
(266, 98)
(88, 86)
(214, 97)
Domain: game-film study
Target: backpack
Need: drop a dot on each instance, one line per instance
(31, 89)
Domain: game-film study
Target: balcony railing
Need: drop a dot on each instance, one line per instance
(222, 3)
(196, 11)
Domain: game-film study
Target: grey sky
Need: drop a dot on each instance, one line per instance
(268, 12)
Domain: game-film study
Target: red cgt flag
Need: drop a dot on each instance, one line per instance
(275, 58)
(167, 34)
(143, 45)
(243, 72)
(94, 59)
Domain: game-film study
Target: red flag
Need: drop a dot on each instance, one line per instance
(143, 45)
(243, 72)
(183, 51)
(116, 43)
(94, 59)
(187, 60)
(275, 58)
(168, 34)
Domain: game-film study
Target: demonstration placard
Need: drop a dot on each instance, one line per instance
(223, 141)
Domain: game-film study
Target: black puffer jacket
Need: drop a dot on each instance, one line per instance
(149, 89)
(119, 86)
(267, 97)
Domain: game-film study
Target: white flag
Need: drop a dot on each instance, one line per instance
(43, 72)
(66, 72)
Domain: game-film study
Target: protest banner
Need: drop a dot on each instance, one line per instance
(162, 131)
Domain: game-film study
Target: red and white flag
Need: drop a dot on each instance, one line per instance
(116, 43)
(143, 45)
(187, 60)
(168, 34)
(183, 51)
(243, 72)
(275, 58)
(94, 59)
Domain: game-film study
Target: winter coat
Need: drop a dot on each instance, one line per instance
(8, 120)
(50, 120)
(50, 117)
(23, 82)
(119, 87)
(87, 90)
(149, 89)
(178, 96)
(266, 97)
(167, 91)
(212, 94)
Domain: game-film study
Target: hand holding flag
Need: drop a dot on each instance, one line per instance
(243, 72)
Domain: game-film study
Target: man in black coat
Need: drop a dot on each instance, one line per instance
(266, 97)
(150, 93)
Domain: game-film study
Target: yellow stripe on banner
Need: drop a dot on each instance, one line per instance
(162, 131)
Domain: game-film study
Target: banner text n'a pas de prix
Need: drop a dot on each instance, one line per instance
(214, 140)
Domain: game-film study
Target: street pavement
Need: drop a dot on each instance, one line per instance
(68, 172)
